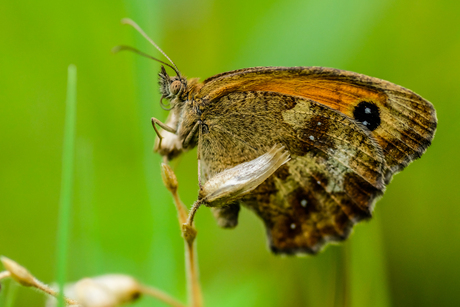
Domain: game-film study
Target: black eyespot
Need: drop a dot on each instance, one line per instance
(367, 114)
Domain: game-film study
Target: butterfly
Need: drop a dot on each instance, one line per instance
(346, 133)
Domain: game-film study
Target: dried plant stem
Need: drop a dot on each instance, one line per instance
(4, 274)
(23, 277)
(193, 281)
(44, 288)
(191, 263)
(181, 208)
(189, 235)
(162, 296)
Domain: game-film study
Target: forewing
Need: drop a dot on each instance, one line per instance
(334, 176)
(402, 122)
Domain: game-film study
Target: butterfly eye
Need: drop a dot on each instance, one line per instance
(175, 87)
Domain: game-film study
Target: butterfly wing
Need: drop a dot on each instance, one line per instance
(400, 121)
(335, 173)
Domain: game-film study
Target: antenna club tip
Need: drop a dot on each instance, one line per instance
(116, 49)
(127, 21)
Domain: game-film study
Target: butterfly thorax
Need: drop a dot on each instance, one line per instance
(183, 116)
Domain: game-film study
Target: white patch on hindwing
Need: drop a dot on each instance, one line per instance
(337, 163)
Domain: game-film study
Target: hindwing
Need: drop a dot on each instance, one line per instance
(335, 173)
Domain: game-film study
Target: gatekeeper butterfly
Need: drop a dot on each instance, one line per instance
(347, 135)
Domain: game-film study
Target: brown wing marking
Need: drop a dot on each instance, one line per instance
(303, 217)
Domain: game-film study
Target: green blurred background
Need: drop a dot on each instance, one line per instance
(123, 219)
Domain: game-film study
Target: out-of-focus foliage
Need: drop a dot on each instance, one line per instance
(123, 219)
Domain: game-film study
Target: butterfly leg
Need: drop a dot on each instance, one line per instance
(191, 134)
(163, 126)
(192, 212)
(187, 142)
(198, 155)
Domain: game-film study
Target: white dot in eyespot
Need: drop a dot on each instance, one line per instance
(303, 202)
(312, 137)
(367, 110)
(293, 226)
(365, 123)
(318, 182)
(319, 123)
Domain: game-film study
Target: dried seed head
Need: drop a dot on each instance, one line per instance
(110, 290)
(124, 288)
(235, 182)
(169, 178)
(24, 278)
(189, 233)
(19, 273)
(91, 294)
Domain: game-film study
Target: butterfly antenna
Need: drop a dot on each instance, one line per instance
(127, 21)
(122, 47)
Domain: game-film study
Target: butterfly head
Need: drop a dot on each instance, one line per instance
(171, 88)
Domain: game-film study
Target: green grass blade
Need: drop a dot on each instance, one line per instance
(367, 266)
(11, 294)
(66, 180)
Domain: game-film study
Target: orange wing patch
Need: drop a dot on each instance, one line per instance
(332, 92)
